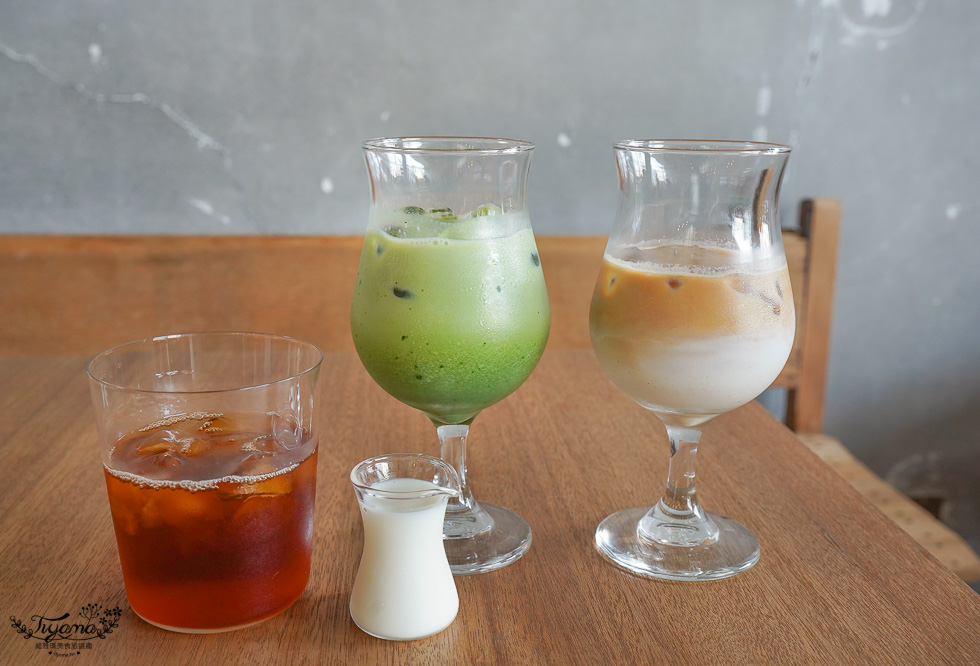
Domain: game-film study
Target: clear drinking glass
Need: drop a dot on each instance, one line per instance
(209, 445)
(692, 316)
(450, 312)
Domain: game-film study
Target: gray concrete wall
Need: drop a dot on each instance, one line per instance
(245, 116)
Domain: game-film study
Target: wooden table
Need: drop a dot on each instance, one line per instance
(837, 582)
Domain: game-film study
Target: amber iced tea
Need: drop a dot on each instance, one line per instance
(208, 441)
(213, 516)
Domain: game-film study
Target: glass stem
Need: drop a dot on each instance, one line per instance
(452, 449)
(680, 497)
(678, 519)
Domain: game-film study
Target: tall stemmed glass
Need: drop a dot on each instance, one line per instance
(450, 312)
(692, 316)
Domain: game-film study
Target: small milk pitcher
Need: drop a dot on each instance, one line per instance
(404, 588)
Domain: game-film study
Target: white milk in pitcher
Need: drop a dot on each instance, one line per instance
(404, 588)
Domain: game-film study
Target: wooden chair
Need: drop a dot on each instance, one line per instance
(811, 254)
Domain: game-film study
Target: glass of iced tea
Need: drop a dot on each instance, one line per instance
(692, 316)
(209, 446)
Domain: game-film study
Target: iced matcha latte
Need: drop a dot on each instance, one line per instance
(450, 313)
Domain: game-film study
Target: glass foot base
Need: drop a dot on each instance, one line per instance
(186, 630)
(505, 539)
(733, 551)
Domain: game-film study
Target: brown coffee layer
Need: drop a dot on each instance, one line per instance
(686, 292)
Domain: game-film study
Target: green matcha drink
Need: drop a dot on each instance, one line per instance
(450, 314)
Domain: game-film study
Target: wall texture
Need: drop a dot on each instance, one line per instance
(244, 116)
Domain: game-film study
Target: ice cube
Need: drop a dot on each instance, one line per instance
(126, 520)
(183, 508)
(740, 284)
(485, 210)
(168, 460)
(287, 430)
(215, 423)
(155, 448)
(272, 486)
(126, 500)
(255, 455)
(194, 447)
(473, 228)
(150, 514)
(445, 214)
(258, 466)
(413, 225)
(162, 441)
(266, 444)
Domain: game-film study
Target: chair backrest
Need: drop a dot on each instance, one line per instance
(811, 253)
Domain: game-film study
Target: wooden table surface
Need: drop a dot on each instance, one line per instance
(837, 582)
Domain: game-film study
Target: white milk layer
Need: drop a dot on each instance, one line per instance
(404, 588)
(705, 376)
